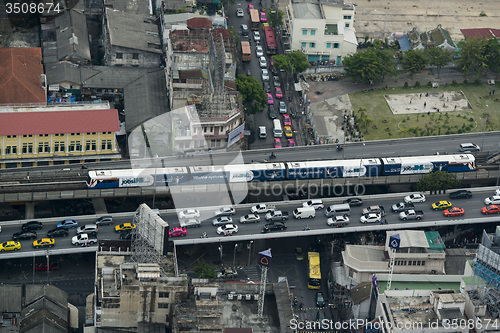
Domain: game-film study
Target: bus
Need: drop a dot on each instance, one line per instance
(254, 19)
(314, 281)
(246, 53)
(277, 131)
(270, 40)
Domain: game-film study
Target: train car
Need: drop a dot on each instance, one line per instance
(425, 164)
(334, 169)
(257, 172)
(136, 177)
(212, 174)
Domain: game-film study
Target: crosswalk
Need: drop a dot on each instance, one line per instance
(252, 273)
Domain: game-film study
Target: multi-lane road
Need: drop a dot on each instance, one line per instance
(295, 227)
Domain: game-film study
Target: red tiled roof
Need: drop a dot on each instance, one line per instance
(481, 33)
(20, 70)
(225, 33)
(199, 23)
(53, 122)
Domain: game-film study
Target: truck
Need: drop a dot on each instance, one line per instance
(277, 215)
(263, 208)
(402, 206)
(411, 214)
(374, 209)
(83, 239)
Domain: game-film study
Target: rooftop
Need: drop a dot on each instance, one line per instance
(130, 6)
(133, 31)
(54, 122)
(72, 35)
(21, 78)
(481, 33)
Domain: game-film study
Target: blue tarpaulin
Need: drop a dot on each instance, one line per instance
(404, 43)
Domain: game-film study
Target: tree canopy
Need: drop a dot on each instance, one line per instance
(251, 91)
(275, 17)
(437, 56)
(437, 181)
(493, 54)
(205, 270)
(413, 61)
(472, 56)
(295, 60)
(370, 66)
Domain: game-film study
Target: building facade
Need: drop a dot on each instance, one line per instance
(322, 30)
(52, 136)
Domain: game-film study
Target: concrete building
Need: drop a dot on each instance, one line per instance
(36, 308)
(420, 252)
(321, 29)
(131, 40)
(422, 311)
(58, 135)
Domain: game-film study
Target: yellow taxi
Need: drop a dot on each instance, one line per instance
(125, 227)
(265, 24)
(44, 242)
(288, 132)
(10, 246)
(441, 205)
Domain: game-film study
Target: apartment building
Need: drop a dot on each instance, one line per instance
(322, 30)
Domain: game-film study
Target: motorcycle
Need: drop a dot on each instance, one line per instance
(272, 156)
(339, 148)
(204, 235)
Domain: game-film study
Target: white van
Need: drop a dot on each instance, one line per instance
(469, 147)
(316, 203)
(262, 132)
(304, 213)
(277, 130)
(339, 209)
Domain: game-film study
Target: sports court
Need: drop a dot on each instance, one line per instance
(427, 102)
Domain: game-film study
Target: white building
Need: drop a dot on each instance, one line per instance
(323, 30)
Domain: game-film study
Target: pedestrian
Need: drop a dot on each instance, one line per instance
(455, 108)
(490, 93)
(427, 94)
(442, 96)
(493, 92)
(420, 95)
(437, 110)
(425, 104)
(410, 101)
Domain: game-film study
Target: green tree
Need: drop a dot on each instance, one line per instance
(295, 60)
(493, 54)
(251, 91)
(413, 61)
(275, 18)
(205, 270)
(370, 65)
(437, 181)
(437, 56)
(472, 56)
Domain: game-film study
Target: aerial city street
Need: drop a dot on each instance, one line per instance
(249, 166)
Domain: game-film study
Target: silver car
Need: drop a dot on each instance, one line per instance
(250, 218)
(222, 220)
(224, 211)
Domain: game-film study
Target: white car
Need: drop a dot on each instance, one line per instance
(262, 62)
(227, 229)
(415, 197)
(371, 218)
(256, 36)
(265, 75)
(250, 218)
(338, 220)
(497, 192)
(189, 213)
(191, 223)
(239, 12)
(259, 51)
(225, 211)
(222, 220)
(282, 107)
(494, 200)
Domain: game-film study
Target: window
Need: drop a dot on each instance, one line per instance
(204, 130)
(211, 129)
(106, 144)
(75, 146)
(59, 146)
(347, 25)
(414, 263)
(351, 272)
(10, 150)
(11, 136)
(91, 145)
(328, 45)
(335, 45)
(423, 263)
(303, 44)
(162, 305)
(43, 147)
(347, 17)
(164, 294)
(304, 32)
(119, 56)
(313, 45)
(135, 56)
(313, 32)
(27, 148)
(27, 136)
